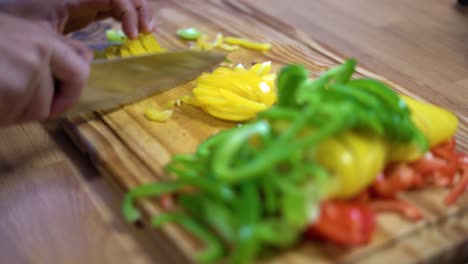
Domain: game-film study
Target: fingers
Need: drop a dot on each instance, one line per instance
(124, 10)
(145, 16)
(136, 16)
(40, 104)
(70, 68)
(80, 49)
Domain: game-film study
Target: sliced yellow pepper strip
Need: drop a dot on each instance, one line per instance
(145, 44)
(219, 40)
(125, 52)
(158, 116)
(150, 43)
(248, 44)
(111, 52)
(228, 47)
(203, 43)
(135, 47)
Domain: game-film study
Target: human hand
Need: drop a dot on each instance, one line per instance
(67, 16)
(135, 15)
(33, 56)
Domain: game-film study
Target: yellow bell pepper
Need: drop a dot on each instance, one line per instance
(436, 123)
(355, 160)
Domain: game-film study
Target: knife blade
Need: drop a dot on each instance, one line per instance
(118, 82)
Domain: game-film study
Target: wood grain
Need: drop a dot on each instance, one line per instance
(55, 208)
(419, 44)
(133, 151)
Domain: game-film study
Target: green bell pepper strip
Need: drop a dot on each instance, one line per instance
(218, 189)
(276, 232)
(383, 92)
(190, 33)
(220, 217)
(130, 212)
(115, 36)
(342, 73)
(248, 213)
(203, 149)
(270, 194)
(277, 112)
(288, 81)
(402, 130)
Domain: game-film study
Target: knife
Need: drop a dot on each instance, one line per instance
(117, 82)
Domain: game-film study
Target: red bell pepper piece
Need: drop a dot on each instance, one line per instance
(345, 223)
(461, 185)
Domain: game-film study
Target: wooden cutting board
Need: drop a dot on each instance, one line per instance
(133, 151)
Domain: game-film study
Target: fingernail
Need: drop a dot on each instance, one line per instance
(151, 25)
(133, 34)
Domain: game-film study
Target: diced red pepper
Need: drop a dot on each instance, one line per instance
(345, 223)
(396, 178)
(441, 162)
(460, 187)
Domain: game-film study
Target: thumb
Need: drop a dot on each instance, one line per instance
(70, 68)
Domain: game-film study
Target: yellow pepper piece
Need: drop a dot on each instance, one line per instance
(247, 44)
(145, 44)
(135, 47)
(125, 52)
(436, 123)
(338, 159)
(170, 104)
(203, 43)
(219, 40)
(354, 161)
(111, 52)
(229, 43)
(150, 43)
(261, 69)
(236, 94)
(158, 116)
(228, 47)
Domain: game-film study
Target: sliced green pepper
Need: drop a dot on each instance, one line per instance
(190, 33)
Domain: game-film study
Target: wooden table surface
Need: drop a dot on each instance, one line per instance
(55, 208)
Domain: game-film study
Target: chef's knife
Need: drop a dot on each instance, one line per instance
(117, 82)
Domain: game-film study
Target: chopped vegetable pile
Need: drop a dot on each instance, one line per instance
(310, 164)
(230, 94)
(236, 94)
(221, 42)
